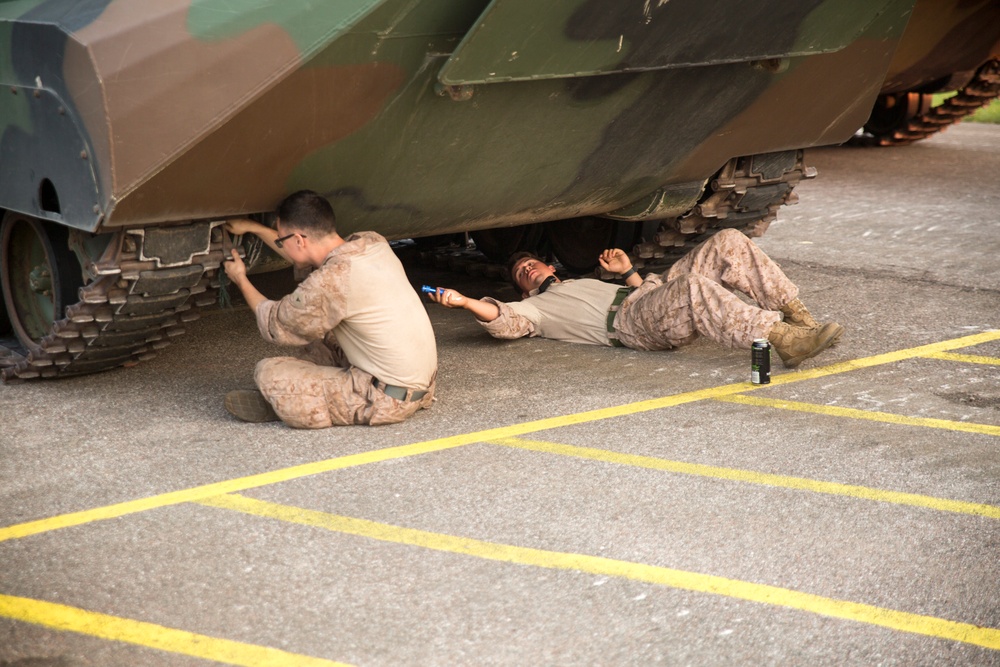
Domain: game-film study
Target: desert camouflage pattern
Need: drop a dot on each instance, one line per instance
(354, 321)
(130, 130)
(694, 298)
(574, 311)
(360, 298)
(318, 388)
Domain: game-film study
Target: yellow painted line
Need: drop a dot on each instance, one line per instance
(150, 635)
(239, 484)
(886, 358)
(691, 581)
(965, 358)
(376, 456)
(295, 472)
(852, 413)
(750, 477)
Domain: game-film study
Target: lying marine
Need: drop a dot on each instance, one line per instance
(694, 298)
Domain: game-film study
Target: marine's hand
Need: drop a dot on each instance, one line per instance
(236, 270)
(448, 298)
(239, 226)
(615, 260)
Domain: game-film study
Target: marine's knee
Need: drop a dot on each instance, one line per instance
(696, 288)
(263, 368)
(272, 369)
(690, 281)
(728, 238)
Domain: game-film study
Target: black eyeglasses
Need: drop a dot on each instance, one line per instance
(280, 241)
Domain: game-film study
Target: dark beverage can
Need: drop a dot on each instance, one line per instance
(760, 361)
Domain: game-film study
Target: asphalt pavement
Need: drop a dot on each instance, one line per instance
(559, 504)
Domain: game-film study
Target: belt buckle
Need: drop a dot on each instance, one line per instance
(392, 391)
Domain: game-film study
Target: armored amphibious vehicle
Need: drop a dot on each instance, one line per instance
(132, 130)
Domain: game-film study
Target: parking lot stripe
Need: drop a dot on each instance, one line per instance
(691, 581)
(238, 484)
(375, 456)
(886, 358)
(751, 477)
(149, 635)
(852, 413)
(966, 358)
(35, 527)
(295, 472)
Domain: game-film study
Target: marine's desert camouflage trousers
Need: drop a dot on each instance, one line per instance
(318, 388)
(695, 298)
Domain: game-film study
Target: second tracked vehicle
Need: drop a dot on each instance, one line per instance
(949, 46)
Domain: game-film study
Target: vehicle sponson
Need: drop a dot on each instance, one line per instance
(186, 111)
(414, 117)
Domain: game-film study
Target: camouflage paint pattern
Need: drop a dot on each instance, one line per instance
(594, 40)
(944, 43)
(167, 111)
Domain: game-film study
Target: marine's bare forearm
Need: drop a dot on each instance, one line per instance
(263, 232)
(484, 311)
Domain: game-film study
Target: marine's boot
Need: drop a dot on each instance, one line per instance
(796, 344)
(798, 315)
(250, 406)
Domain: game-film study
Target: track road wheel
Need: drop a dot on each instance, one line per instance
(892, 112)
(40, 275)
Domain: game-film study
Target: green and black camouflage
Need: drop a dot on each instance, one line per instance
(132, 130)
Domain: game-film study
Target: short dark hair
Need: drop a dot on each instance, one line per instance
(518, 257)
(307, 211)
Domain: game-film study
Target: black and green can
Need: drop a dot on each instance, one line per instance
(760, 361)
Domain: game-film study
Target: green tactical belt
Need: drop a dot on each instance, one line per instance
(399, 393)
(613, 312)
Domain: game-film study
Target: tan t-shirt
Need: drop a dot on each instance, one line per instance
(361, 295)
(575, 311)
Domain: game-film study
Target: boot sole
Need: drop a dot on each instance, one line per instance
(836, 336)
(828, 335)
